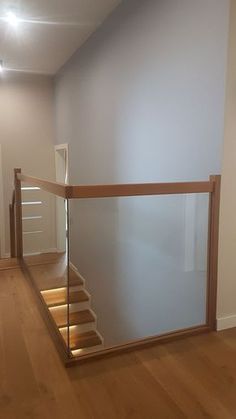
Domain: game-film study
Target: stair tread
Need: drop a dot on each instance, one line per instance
(81, 340)
(76, 317)
(59, 297)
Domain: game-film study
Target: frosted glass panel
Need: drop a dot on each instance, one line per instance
(143, 261)
(44, 240)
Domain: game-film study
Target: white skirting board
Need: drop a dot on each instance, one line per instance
(6, 256)
(73, 267)
(226, 322)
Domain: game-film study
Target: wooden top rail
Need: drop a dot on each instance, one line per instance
(55, 188)
(142, 189)
(109, 191)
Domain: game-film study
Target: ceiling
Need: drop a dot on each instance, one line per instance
(49, 31)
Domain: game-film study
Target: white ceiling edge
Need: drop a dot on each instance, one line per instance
(52, 45)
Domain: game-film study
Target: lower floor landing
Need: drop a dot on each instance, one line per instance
(189, 378)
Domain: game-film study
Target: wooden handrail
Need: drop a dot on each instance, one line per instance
(117, 190)
(140, 189)
(55, 188)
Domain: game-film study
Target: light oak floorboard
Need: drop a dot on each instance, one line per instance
(190, 378)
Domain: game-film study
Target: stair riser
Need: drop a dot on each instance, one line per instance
(80, 306)
(76, 306)
(77, 288)
(85, 351)
(86, 327)
(53, 301)
(72, 288)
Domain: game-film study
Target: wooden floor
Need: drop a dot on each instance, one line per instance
(191, 378)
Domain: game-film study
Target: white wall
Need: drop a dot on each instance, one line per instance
(143, 101)
(227, 248)
(27, 133)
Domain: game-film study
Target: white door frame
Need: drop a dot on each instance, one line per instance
(2, 212)
(61, 222)
(66, 148)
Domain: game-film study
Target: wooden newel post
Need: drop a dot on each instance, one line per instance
(213, 243)
(12, 230)
(19, 234)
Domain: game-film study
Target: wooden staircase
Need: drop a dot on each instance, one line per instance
(84, 337)
(82, 320)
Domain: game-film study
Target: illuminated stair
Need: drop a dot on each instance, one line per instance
(84, 337)
(58, 297)
(82, 317)
(81, 340)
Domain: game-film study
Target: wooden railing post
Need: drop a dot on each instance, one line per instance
(12, 230)
(213, 242)
(19, 234)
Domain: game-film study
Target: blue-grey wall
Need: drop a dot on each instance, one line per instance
(142, 101)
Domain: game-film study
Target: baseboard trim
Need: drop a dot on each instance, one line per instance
(6, 256)
(75, 270)
(43, 251)
(52, 250)
(227, 322)
(139, 344)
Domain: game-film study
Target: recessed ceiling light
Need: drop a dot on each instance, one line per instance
(12, 19)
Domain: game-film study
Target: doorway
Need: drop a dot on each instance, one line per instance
(61, 165)
(2, 218)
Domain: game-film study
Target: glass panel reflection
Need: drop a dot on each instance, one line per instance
(142, 262)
